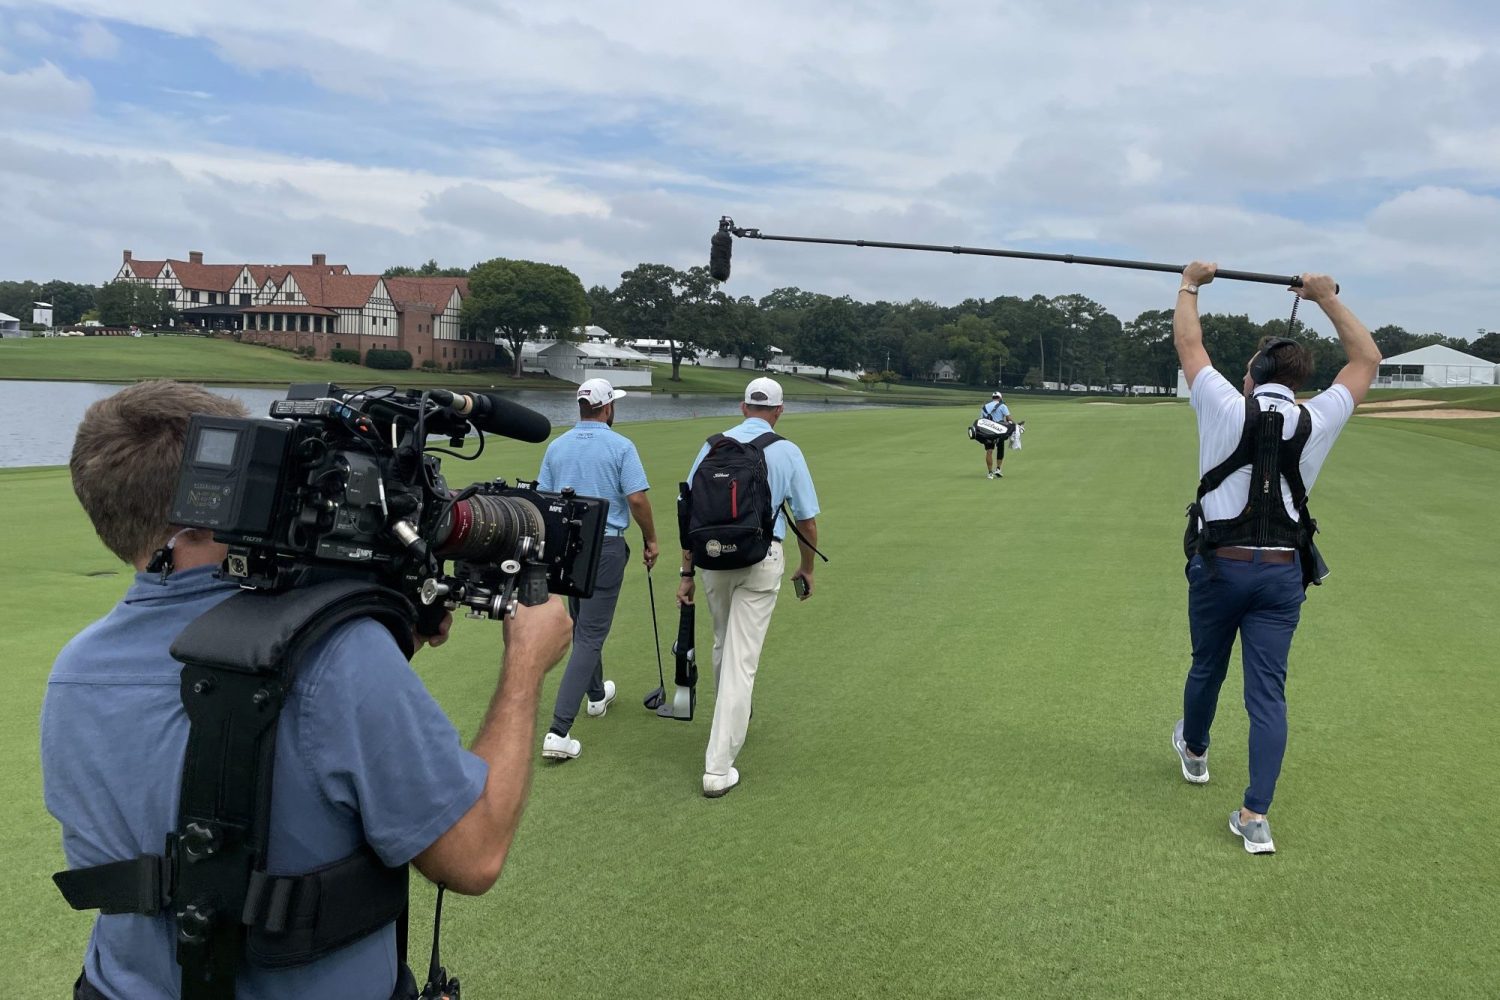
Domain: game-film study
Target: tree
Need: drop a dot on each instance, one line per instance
(518, 298)
(1148, 355)
(976, 346)
(645, 304)
(131, 303)
(427, 270)
(602, 308)
(830, 335)
(69, 300)
(1487, 346)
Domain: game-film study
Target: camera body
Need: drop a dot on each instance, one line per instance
(339, 482)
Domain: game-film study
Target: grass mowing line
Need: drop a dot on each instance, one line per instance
(958, 781)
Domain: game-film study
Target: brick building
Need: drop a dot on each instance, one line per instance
(318, 305)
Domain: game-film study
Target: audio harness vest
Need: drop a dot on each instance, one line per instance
(240, 659)
(1264, 522)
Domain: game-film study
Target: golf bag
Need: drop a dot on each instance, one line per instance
(989, 431)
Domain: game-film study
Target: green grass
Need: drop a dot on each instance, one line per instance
(958, 782)
(204, 359)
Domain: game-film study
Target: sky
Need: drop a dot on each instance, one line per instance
(1360, 139)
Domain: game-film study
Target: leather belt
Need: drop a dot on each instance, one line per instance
(611, 532)
(1241, 554)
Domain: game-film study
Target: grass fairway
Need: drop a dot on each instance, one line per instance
(959, 781)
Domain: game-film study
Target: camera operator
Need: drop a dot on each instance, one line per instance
(364, 755)
(1250, 551)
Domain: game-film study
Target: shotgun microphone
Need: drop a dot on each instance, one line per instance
(720, 247)
(496, 415)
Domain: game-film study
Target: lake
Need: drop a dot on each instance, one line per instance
(38, 419)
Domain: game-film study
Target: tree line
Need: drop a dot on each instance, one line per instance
(1007, 340)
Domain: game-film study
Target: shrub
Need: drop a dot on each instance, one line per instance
(345, 355)
(429, 363)
(306, 351)
(388, 360)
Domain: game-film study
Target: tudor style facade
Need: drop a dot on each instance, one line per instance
(318, 305)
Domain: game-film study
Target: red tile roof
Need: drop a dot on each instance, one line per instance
(425, 291)
(146, 268)
(338, 291)
(209, 277)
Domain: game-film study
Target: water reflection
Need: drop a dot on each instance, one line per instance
(38, 419)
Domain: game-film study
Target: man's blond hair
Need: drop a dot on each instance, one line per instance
(126, 458)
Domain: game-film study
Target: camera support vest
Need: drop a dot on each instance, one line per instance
(240, 659)
(1264, 522)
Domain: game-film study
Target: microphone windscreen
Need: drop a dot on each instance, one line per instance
(720, 247)
(496, 415)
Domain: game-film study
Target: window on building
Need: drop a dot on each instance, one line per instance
(244, 299)
(193, 295)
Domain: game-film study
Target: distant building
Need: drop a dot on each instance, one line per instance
(1435, 367)
(319, 305)
(9, 326)
(943, 371)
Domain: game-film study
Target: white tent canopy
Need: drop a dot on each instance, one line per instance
(1435, 366)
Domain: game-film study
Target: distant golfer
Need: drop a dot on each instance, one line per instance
(994, 450)
(595, 461)
(1250, 549)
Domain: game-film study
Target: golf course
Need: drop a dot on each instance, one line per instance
(959, 780)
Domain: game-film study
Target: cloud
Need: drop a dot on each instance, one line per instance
(42, 90)
(1359, 138)
(95, 41)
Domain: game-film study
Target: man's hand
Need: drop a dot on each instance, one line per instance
(1319, 288)
(442, 633)
(1199, 273)
(537, 637)
(685, 591)
(649, 553)
(805, 574)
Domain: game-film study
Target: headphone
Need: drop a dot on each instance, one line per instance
(1263, 365)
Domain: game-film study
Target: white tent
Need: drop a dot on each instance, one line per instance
(575, 362)
(1433, 367)
(9, 326)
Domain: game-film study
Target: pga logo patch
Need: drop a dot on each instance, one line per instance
(715, 548)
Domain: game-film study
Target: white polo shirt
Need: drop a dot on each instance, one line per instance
(1221, 421)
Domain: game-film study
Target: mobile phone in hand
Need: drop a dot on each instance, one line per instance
(799, 584)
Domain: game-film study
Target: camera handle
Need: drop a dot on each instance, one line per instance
(439, 985)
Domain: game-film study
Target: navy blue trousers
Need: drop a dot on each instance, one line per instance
(1261, 603)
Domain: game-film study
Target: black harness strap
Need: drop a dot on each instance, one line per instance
(240, 660)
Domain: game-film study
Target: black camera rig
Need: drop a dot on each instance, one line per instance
(342, 482)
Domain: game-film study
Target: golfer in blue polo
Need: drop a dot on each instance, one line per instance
(594, 460)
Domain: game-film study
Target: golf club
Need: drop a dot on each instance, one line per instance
(656, 696)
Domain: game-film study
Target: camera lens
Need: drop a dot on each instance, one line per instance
(488, 528)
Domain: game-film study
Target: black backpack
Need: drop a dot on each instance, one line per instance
(725, 516)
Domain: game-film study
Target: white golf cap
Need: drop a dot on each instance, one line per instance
(763, 392)
(997, 395)
(599, 392)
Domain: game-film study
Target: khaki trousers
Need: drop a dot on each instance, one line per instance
(741, 602)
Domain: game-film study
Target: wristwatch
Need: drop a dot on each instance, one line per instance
(686, 573)
(1190, 288)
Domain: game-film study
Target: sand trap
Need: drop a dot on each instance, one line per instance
(1391, 404)
(1440, 415)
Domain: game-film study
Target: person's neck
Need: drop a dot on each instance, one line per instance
(189, 552)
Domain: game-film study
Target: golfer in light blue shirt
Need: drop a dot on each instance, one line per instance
(741, 600)
(594, 460)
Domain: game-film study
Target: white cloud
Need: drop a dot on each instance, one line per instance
(42, 90)
(1359, 138)
(96, 41)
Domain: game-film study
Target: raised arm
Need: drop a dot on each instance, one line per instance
(1187, 332)
(469, 856)
(1359, 347)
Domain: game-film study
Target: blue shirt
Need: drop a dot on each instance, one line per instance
(994, 410)
(785, 467)
(363, 754)
(596, 462)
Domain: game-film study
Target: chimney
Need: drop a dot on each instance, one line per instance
(320, 260)
(127, 256)
(195, 256)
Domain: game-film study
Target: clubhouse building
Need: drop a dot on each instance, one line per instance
(318, 305)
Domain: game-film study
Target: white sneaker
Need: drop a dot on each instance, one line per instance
(598, 708)
(715, 785)
(555, 747)
(990, 476)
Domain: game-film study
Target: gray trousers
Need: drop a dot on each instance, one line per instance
(592, 617)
